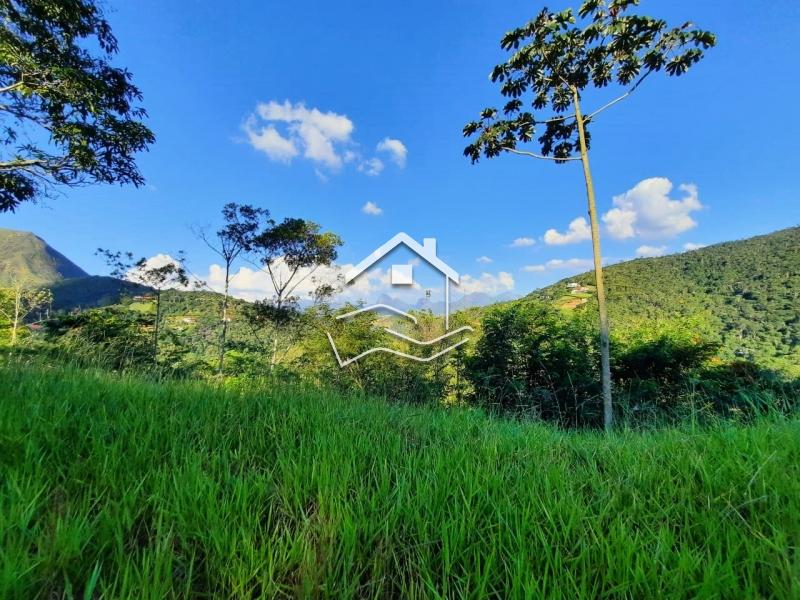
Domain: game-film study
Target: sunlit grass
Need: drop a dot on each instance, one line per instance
(121, 488)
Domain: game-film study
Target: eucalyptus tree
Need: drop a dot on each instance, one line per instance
(242, 223)
(555, 59)
(67, 115)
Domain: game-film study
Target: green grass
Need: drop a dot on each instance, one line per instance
(120, 488)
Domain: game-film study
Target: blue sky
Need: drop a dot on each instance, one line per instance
(413, 73)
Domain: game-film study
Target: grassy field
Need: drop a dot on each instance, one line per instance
(117, 488)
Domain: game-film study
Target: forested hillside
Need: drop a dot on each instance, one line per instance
(747, 293)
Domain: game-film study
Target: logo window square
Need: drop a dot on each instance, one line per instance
(402, 275)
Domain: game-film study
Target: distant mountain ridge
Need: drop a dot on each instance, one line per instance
(28, 258)
(475, 299)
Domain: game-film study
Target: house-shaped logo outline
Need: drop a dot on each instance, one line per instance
(426, 251)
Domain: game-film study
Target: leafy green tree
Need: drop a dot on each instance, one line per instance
(555, 59)
(67, 116)
(242, 223)
(290, 252)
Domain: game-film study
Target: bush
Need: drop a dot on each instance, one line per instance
(537, 360)
(112, 337)
(534, 359)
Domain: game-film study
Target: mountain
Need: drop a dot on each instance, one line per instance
(92, 291)
(29, 259)
(747, 291)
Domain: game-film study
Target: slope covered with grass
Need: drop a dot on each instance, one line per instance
(121, 488)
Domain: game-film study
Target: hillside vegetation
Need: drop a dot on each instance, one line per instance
(120, 488)
(747, 292)
(715, 330)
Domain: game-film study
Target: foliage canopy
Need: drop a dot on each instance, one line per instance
(556, 56)
(67, 116)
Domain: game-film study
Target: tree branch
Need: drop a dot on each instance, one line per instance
(620, 98)
(301, 280)
(540, 156)
(12, 87)
(22, 163)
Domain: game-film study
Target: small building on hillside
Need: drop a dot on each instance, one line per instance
(576, 288)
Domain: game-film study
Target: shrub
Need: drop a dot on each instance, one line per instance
(534, 359)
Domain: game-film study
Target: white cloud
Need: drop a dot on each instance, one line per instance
(320, 136)
(647, 211)
(580, 264)
(270, 142)
(688, 246)
(523, 242)
(160, 260)
(252, 283)
(287, 130)
(650, 251)
(570, 263)
(487, 283)
(371, 167)
(578, 231)
(484, 260)
(619, 223)
(370, 208)
(155, 262)
(396, 149)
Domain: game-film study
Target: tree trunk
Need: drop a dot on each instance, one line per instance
(224, 332)
(17, 310)
(273, 360)
(605, 358)
(155, 332)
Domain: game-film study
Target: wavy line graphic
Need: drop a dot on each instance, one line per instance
(429, 342)
(374, 307)
(344, 363)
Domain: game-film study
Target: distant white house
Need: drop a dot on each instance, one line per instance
(576, 288)
(404, 274)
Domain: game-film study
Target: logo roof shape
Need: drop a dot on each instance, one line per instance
(425, 251)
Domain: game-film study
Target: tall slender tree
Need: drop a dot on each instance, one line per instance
(242, 222)
(18, 302)
(554, 59)
(158, 277)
